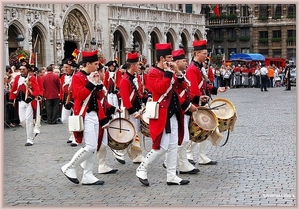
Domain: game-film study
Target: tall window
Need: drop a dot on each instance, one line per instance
(263, 34)
(180, 7)
(292, 9)
(278, 9)
(231, 10)
(244, 11)
(218, 33)
(245, 31)
(291, 33)
(277, 34)
(189, 8)
(263, 10)
(231, 33)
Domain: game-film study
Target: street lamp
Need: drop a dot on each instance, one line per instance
(20, 40)
(93, 43)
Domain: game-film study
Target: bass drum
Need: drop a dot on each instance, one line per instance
(121, 133)
(202, 124)
(225, 113)
(145, 126)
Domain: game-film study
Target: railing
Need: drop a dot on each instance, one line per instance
(150, 14)
(239, 20)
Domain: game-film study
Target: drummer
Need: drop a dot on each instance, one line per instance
(167, 131)
(200, 89)
(185, 167)
(132, 96)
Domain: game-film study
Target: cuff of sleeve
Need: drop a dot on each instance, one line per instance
(185, 105)
(90, 86)
(131, 110)
(104, 121)
(169, 74)
(189, 106)
(196, 100)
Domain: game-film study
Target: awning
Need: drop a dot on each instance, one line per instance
(248, 57)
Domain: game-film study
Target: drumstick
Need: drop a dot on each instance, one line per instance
(119, 128)
(120, 115)
(215, 107)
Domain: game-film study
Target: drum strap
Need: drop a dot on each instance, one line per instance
(226, 138)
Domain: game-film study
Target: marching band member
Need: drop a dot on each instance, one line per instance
(38, 101)
(24, 90)
(200, 91)
(111, 82)
(86, 83)
(69, 66)
(132, 97)
(167, 131)
(185, 167)
(109, 110)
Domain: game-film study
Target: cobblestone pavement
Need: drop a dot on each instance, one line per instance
(257, 167)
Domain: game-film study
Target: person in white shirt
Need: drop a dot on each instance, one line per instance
(264, 77)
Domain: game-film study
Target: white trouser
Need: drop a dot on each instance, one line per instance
(202, 158)
(170, 138)
(186, 137)
(65, 114)
(26, 119)
(90, 132)
(113, 99)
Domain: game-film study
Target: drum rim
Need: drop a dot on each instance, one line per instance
(212, 113)
(227, 101)
(108, 133)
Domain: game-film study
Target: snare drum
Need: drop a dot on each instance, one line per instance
(121, 133)
(202, 124)
(226, 113)
(145, 126)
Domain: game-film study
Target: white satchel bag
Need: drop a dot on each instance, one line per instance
(76, 121)
(152, 107)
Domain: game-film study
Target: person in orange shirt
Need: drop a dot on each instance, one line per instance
(271, 76)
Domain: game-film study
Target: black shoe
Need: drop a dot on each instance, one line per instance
(182, 182)
(120, 161)
(69, 141)
(95, 183)
(164, 165)
(209, 163)
(194, 171)
(144, 181)
(28, 144)
(191, 161)
(73, 144)
(74, 180)
(113, 171)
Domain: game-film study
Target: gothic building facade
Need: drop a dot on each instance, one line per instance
(53, 31)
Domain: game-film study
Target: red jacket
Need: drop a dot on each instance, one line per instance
(126, 89)
(51, 84)
(81, 88)
(158, 83)
(65, 89)
(194, 75)
(35, 91)
(112, 83)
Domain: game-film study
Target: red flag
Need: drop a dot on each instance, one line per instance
(216, 9)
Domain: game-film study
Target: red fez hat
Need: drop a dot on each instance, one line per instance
(163, 49)
(199, 44)
(178, 54)
(133, 57)
(90, 57)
